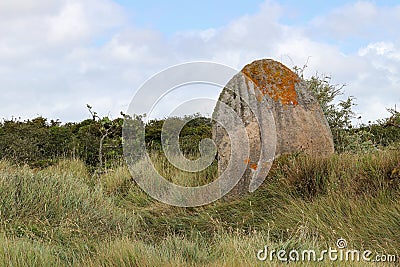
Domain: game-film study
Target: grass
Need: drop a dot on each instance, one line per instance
(62, 215)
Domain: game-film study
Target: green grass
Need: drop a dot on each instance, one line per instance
(63, 215)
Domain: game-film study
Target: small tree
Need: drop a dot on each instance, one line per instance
(387, 131)
(107, 127)
(394, 119)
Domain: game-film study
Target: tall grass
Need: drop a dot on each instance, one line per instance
(63, 215)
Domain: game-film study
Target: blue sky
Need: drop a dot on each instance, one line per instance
(172, 16)
(177, 15)
(58, 55)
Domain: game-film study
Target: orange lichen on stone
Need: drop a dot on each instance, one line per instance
(274, 79)
(253, 166)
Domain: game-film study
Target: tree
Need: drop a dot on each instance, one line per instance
(386, 132)
(394, 119)
(106, 128)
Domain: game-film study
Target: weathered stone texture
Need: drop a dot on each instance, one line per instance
(267, 85)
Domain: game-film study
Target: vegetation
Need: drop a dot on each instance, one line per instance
(66, 198)
(61, 216)
(95, 141)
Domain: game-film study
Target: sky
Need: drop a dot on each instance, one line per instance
(56, 56)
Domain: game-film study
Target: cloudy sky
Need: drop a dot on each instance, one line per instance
(58, 55)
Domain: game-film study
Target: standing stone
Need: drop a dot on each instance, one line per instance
(268, 86)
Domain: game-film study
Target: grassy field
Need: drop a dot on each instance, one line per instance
(63, 215)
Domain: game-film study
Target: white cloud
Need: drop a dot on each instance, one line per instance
(23, 8)
(70, 25)
(362, 19)
(37, 76)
